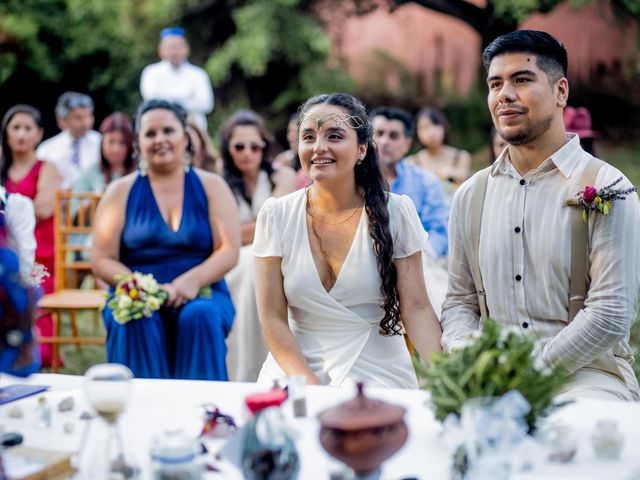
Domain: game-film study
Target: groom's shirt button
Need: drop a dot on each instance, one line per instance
(518, 278)
(522, 182)
(517, 229)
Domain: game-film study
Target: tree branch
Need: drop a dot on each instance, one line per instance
(474, 16)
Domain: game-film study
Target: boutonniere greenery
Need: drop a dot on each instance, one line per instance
(601, 200)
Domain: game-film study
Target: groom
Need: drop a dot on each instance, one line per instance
(519, 251)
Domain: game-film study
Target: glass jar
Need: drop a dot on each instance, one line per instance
(174, 456)
(269, 452)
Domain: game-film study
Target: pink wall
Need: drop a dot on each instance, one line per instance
(425, 41)
(592, 36)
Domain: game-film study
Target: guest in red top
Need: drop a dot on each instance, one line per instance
(21, 172)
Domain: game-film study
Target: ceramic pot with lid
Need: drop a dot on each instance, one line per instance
(363, 432)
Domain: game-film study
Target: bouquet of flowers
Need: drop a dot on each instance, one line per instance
(138, 295)
(495, 360)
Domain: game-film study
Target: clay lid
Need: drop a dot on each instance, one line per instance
(361, 413)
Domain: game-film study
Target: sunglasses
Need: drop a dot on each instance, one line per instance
(254, 147)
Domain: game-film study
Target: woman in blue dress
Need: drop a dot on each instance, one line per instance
(181, 225)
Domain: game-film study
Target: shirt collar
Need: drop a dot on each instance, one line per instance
(170, 66)
(566, 158)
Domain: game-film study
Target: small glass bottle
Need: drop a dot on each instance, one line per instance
(607, 440)
(298, 395)
(44, 413)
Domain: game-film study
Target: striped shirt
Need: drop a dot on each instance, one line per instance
(525, 261)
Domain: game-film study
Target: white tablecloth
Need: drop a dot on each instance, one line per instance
(155, 404)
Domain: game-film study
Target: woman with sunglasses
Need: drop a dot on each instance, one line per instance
(246, 151)
(22, 172)
(179, 224)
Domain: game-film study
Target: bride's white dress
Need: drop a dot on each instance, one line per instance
(338, 331)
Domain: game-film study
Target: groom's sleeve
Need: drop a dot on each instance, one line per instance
(611, 304)
(460, 310)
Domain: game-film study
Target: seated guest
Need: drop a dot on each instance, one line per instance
(452, 165)
(205, 155)
(246, 150)
(17, 309)
(76, 147)
(116, 155)
(22, 172)
(392, 132)
(339, 263)
(179, 224)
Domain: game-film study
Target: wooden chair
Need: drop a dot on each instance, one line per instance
(73, 216)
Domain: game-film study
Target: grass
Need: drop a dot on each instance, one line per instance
(624, 158)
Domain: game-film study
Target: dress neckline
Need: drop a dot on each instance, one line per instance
(347, 256)
(26, 175)
(157, 207)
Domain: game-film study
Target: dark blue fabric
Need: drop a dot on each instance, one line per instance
(15, 299)
(186, 342)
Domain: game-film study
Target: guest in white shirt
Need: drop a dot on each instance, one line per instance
(176, 80)
(77, 147)
(525, 243)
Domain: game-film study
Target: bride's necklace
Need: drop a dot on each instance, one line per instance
(310, 209)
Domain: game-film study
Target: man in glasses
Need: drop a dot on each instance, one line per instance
(77, 146)
(177, 80)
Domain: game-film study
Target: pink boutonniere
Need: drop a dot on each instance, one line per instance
(601, 200)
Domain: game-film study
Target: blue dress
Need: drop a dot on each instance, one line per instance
(187, 342)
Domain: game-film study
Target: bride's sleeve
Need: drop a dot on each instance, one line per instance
(409, 236)
(267, 238)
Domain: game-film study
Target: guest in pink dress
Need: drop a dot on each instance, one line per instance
(21, 172)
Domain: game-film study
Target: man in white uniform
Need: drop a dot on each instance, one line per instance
(77, 146)
(528, 237)
(177, 80)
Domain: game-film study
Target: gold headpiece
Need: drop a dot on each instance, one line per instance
(341, 120)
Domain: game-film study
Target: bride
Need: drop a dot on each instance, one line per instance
(338, 265)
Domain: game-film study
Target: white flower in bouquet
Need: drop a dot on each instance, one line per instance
(124, 302)
(153, 303)
(148, 284)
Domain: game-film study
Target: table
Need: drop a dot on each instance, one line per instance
(155, 404)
